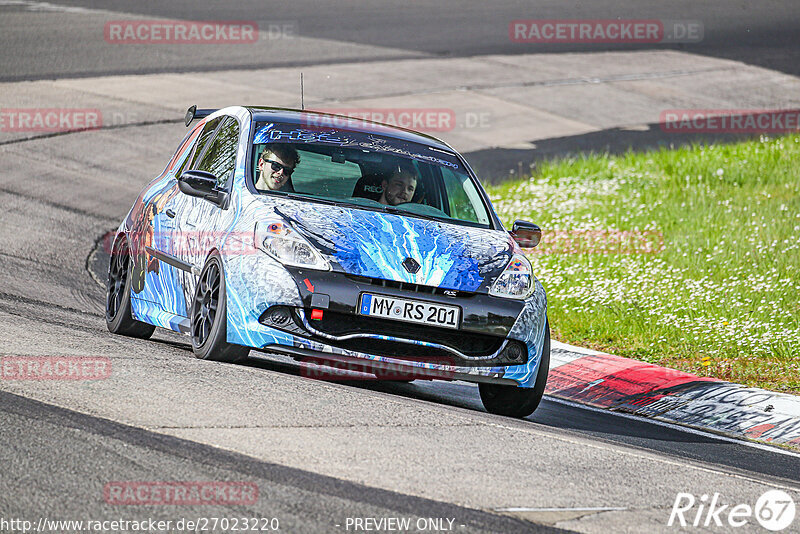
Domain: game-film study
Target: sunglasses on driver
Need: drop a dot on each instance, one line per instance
(278, 166)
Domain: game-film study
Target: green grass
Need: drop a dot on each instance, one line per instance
(720, 298)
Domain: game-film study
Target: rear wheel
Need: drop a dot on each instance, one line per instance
(513, 401)
(209, 317)
(118, 295)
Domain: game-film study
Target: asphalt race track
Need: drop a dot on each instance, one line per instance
(760, 33)
(319, 452)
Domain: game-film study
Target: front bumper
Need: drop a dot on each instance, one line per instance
(478, 351)
(397, 340)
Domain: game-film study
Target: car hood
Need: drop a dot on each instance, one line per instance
(375, 244)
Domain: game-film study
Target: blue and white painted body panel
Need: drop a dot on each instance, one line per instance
(355, 241)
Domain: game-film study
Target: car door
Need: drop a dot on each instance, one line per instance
(140, 222)
(164, 272)
(199, 223)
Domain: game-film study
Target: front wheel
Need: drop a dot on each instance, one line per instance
(209, 317)
(513, 401)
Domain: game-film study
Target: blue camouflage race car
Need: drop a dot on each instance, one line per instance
(333, 240)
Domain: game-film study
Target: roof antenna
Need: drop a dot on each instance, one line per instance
(302, 101)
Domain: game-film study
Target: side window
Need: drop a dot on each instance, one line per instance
(220, 158)
(186, 144)
(202, 141)
(461, 195)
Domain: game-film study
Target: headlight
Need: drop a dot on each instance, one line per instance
(516, 282)
(283, 243)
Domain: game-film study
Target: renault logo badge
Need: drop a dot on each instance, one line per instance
(411, 265)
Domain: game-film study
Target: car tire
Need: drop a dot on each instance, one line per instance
(513, 401)
(209, 318)
(119, 319)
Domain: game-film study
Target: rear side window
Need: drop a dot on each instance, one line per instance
(202, 141)
(187, 143)
(220, 158)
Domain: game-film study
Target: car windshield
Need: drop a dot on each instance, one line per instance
(365, 170)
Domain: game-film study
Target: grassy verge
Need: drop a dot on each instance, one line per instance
(688, 258)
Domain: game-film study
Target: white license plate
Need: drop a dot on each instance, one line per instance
(411, 311)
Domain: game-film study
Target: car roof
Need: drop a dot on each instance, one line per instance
(296, 116)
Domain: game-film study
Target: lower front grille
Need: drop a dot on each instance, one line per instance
(468, 343)
(337, 325)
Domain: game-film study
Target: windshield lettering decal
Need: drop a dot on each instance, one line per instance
(273, 133)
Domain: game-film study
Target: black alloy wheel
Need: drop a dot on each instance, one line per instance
(206, 302)
(209, 317)
(119, 319)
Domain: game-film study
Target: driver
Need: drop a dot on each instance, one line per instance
(275, 168)
(399, 188)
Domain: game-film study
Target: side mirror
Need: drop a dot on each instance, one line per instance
(203, 185)
(526, 234)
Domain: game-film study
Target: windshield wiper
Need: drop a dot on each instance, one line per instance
(398, 211)
(295, 196)
(384, 208)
